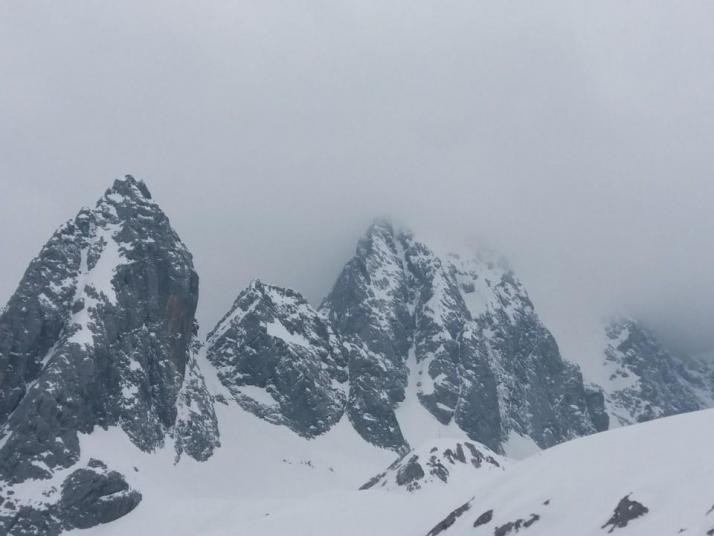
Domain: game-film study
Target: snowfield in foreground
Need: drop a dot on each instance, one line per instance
(661, 475)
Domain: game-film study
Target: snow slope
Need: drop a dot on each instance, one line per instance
(573, 489)
(260, 467)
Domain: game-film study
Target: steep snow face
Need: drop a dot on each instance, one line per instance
(438, 463)
(279, 359)
(652, 478)
(99, 333)
(463, 331)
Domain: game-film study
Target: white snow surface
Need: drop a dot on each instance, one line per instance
(519, 447)
(260, 469)
(278, 330)
(97, 279)
(477, 274)
(665, 464)
(266, 481)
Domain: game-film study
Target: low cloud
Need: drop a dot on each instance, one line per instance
(575, 139)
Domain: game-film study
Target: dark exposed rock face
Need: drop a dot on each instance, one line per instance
(281, 360)
(625, 511)
(484, 519)
(468, 330)
(409, 473)
(547, 400)
(516, 526)
(419, 468)
(651, 381)
(449, 520)
(100, 333)
(89, 496)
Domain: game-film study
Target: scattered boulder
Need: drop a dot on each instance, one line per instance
(625, 511)
(410, 472)
(91, 497)
(484, 519)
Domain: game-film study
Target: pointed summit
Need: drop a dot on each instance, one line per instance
(383, 234)
(441, 339)
(99, 333)
(280, 359)
(381, 225)
(130, 187)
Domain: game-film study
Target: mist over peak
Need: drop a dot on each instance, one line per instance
(574, 140)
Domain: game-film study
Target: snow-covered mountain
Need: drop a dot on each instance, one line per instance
(456, 339)
(418, 379)
(99, 333)
(281, 360)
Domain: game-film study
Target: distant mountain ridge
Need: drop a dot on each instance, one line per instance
(648, 381)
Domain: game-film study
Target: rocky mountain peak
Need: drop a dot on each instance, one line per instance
(457, 328)
(101, 333)
(130, 188)
(280, 359)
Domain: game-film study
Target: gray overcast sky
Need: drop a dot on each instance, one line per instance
(576, 137)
